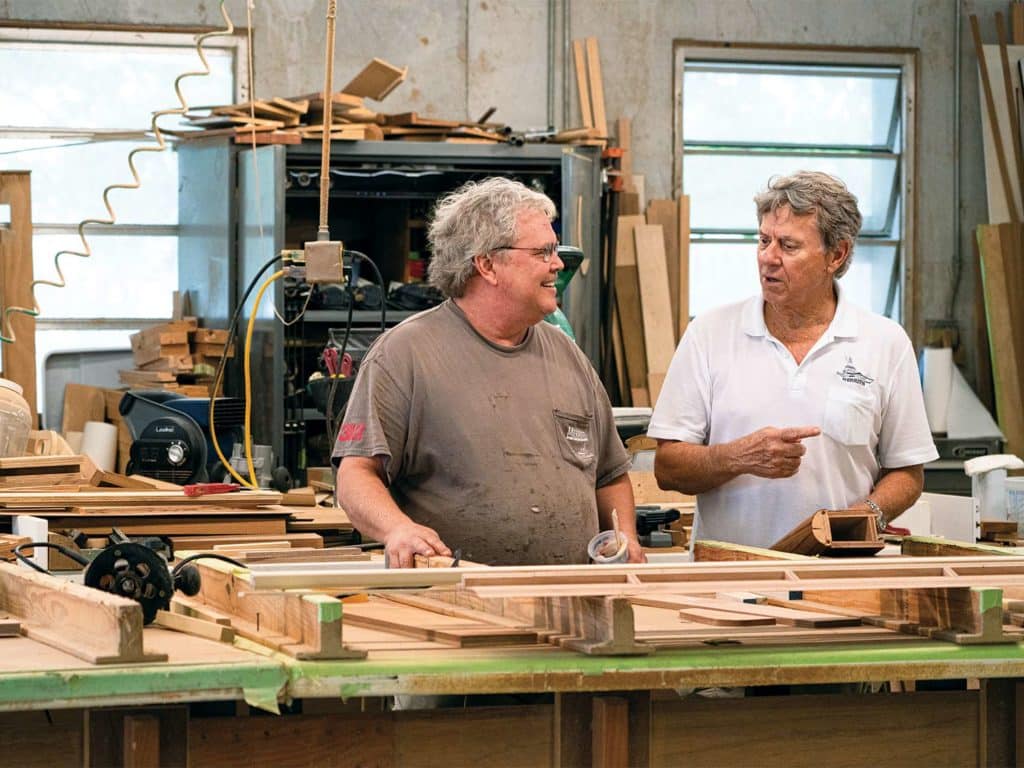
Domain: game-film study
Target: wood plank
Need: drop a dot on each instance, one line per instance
(990, 110)
(582, 84)
(659, 326)
(932, 546)
(314, 540)
(935, 728)
(88, 623)
(376, 80)
(134, 497)
(786, 616)
(707, 550)
(610, 732)
(720, 618)
(684, 264)
(193, 626)
(141, 741)
(425, 624)
(627, 302)
(596, 86)
(19, 358)
(171, 525)
(665, 213)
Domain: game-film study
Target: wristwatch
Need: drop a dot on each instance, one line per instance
(880, 515)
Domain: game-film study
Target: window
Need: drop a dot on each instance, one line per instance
(749, 114)
(76, 103)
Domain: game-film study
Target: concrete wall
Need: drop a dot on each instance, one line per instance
(467, 55)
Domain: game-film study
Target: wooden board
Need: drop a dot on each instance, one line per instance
(627, 302)
(376, 80)
(659, 324)
(134, 497)
(775, 614)
(665, 213)
(82, 403)
(19, 358)
(582, 84)
(87, 623)
(424, 624)
(1001, 182)
(596, 86)
(684, 264)
(209, 542)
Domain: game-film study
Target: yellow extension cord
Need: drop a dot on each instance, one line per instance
(248, 392)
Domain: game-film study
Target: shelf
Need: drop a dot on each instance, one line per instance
(359, 316)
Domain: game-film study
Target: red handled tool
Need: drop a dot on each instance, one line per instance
(206, 489)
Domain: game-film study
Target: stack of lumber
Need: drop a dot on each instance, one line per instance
(651, 257)
(293, 119)
(178, 356)
(1000, 342)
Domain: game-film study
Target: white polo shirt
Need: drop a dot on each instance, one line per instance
(859, 383)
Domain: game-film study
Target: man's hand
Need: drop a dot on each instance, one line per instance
(635, 551)
(405, 541)
(772, 452)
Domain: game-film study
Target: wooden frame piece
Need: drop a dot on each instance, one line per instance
(306, 626)
(88, 623)
(834, 533)
(19, 358)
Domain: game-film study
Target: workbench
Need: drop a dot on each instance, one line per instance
(210, 704)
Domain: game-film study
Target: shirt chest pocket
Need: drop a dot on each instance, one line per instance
(575, 437)
(849, 416)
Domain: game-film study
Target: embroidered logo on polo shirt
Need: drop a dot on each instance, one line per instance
(851, 375)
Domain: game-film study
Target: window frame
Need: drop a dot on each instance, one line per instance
(129, 36)
(905, 59)
(71, 34)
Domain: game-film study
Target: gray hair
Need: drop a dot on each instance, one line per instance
(478, 217)
(807, 192)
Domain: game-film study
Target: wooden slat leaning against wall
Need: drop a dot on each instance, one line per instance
(659, 328)
(19, 359)
(627, 300)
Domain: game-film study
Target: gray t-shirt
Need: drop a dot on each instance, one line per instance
(498, 449)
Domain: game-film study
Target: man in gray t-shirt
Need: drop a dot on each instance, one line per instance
(474, 425)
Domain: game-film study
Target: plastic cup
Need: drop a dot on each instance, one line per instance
(602, 548)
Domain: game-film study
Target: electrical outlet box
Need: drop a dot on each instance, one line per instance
(324, 261)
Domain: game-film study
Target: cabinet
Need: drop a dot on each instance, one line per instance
(238, 208)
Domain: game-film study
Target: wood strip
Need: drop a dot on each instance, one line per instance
(659, 333)
(684, 264)
(787, 616)
(582, 88)
(19, 358)
(596, 86)
(193, 626)
(990, 108)
(721, 618)
(134, 497)
(610, 732)
(425, 624)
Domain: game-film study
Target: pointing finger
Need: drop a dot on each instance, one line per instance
(795, 434)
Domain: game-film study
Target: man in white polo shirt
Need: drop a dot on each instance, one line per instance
(795, 400)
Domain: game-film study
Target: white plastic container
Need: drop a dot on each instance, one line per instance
(602, 548)
(1015, 501)
(15, 419)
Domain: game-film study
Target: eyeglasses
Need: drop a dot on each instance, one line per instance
(545, 253)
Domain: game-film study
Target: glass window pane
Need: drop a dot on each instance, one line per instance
(867, 280)
(126, 276)
(721, 273)
(796, 104)
(105, 86)
(722, 186)
(68, 178)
